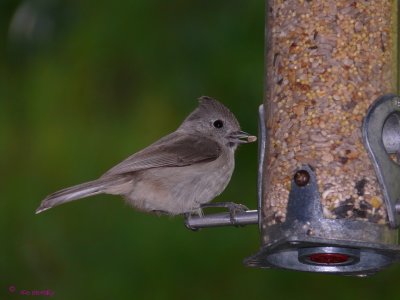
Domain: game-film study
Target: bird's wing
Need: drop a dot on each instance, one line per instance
(174, 150)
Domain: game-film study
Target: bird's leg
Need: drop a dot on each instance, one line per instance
(233, 208)
(160, 212)
(230, 205)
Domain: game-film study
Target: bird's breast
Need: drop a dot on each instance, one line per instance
(178, 190)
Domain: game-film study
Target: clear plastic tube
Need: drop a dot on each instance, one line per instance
(326, 62)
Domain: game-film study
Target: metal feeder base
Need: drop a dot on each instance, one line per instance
(316, 255)
(307, 241)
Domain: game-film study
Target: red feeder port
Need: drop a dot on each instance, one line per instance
(329, 258)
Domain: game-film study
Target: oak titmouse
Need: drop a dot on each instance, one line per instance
(178, 173)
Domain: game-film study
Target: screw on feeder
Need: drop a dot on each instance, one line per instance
(397, 206)
(301, 178)
(396, 101)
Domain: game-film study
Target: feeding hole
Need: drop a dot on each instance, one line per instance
(301, 178)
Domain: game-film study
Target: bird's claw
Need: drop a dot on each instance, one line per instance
(187, 217)
(233, 208)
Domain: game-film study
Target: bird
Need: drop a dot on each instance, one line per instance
(178, 174)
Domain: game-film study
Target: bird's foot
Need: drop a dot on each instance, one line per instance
(233, 208)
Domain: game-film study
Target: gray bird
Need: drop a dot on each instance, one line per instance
(179, 173)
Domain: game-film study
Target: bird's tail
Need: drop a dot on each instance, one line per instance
(79, 191)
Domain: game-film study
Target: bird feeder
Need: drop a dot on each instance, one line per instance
(329, 139)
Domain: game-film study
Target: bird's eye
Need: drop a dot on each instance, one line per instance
(218, 124)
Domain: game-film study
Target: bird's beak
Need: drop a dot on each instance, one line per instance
(241, 137)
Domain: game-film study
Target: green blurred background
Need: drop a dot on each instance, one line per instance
(83, 84)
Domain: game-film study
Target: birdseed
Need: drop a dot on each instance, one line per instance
(326, 62)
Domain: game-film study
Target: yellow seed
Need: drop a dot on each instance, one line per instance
(376, 202)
